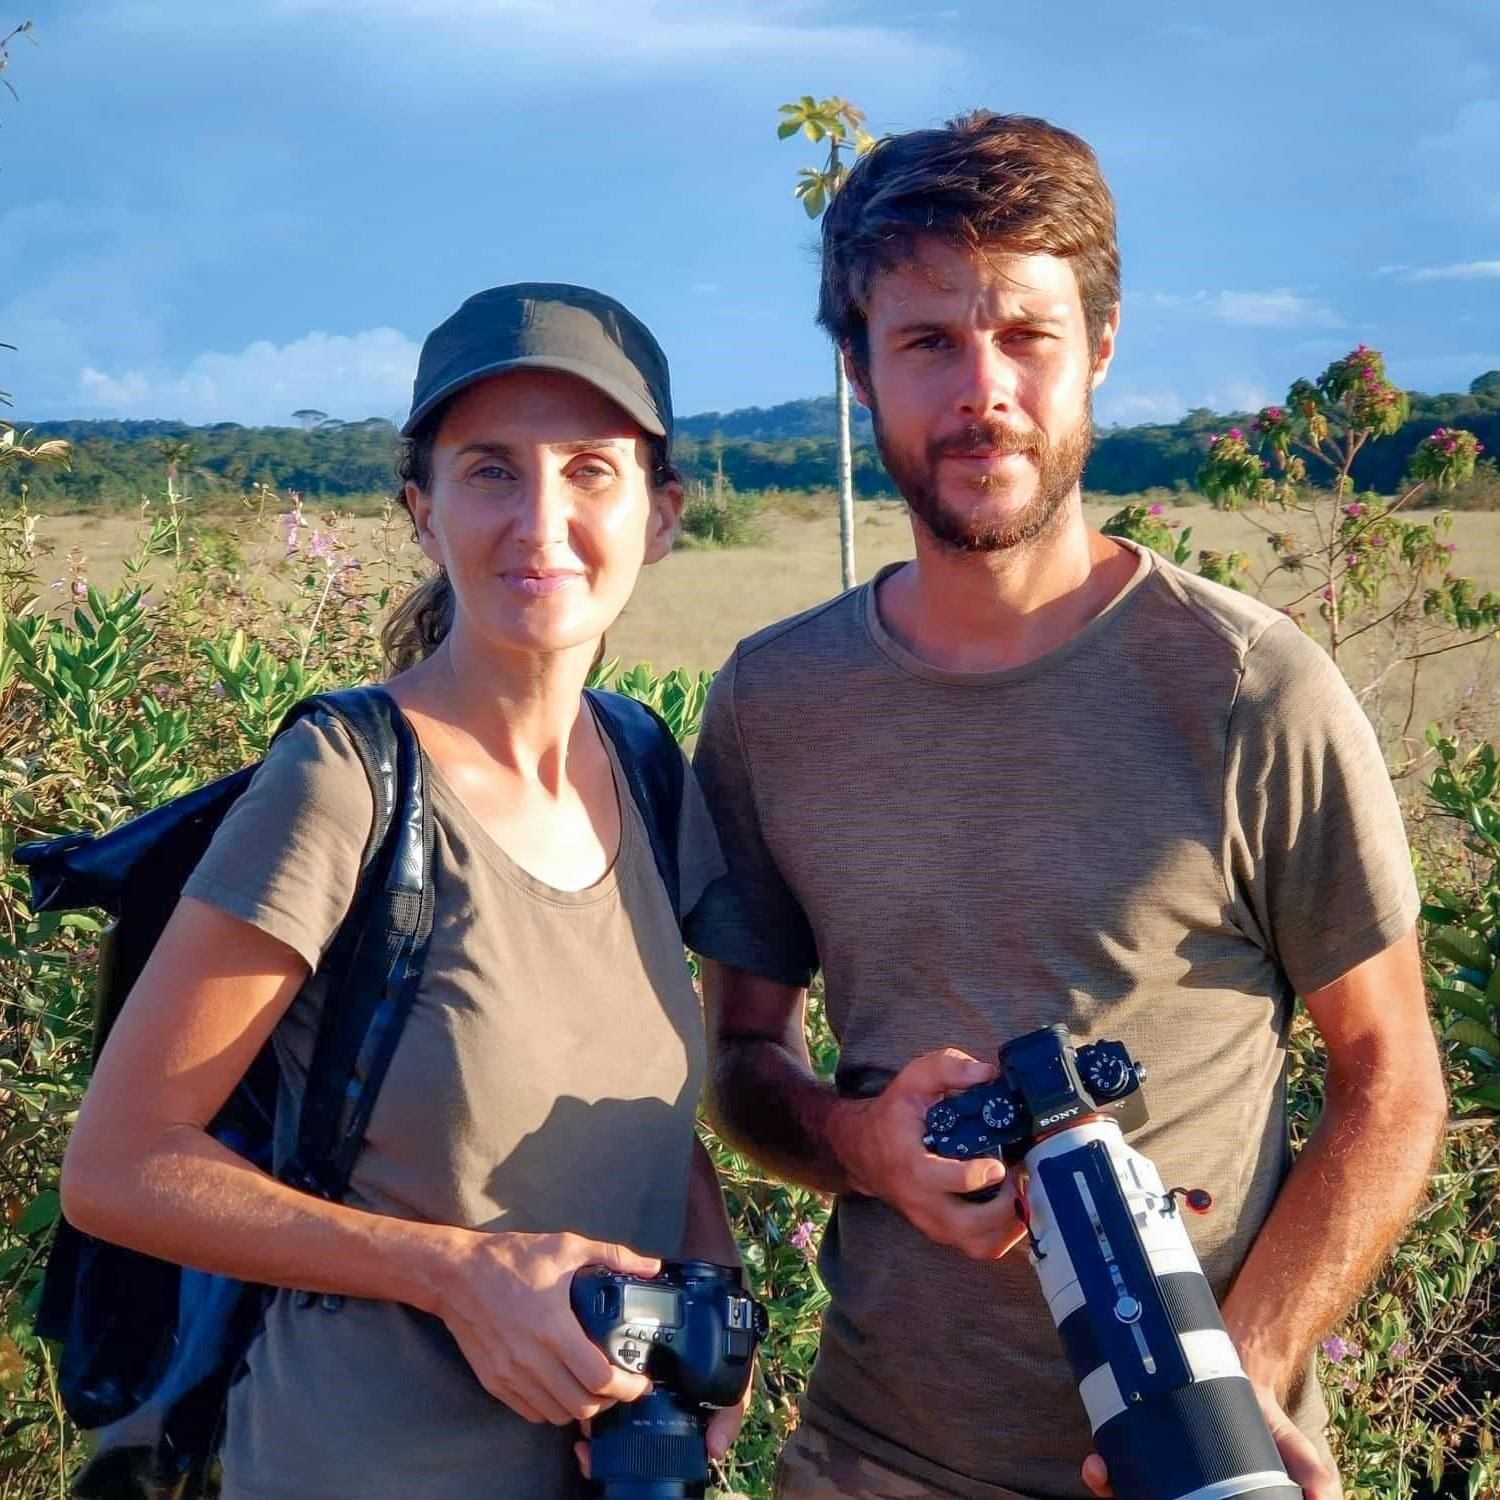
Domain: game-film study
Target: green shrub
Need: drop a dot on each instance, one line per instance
(735, 520)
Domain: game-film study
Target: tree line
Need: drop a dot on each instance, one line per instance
(790, 447)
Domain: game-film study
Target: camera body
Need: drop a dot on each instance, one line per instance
(693, 1331)
(1042, 1086)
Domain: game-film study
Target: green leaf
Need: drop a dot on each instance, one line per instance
(1461, 947)
(787, 128)
(1463, 1002)
(1471, 1033)
(41, 1213)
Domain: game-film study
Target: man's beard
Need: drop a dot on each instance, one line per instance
(1059, 469)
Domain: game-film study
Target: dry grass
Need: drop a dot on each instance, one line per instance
(690, 609)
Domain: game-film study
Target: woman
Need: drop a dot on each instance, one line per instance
(538, 1113)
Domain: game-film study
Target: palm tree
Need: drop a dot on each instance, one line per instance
(838, 122)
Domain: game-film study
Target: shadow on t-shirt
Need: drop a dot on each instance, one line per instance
(584, 1169)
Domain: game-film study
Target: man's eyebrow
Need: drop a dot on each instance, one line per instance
(1018, 318)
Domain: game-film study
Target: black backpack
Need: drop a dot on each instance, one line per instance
(149, 1348)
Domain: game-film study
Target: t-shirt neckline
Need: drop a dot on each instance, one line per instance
(495, 854)
(908, 662)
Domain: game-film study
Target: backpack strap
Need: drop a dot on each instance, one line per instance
(376, 958)
(653, 768)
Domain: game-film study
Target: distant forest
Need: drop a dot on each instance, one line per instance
(788, 447)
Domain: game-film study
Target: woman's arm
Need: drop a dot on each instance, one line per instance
(142, 1170)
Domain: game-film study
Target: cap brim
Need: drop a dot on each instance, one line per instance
(631, 402)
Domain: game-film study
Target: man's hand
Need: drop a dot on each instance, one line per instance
(879, 1143)
(1303, 1466)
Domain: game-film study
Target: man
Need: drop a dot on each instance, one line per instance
(1034, 776)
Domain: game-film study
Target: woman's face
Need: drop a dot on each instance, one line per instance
(541, 510)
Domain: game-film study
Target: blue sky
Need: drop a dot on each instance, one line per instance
(229, 209)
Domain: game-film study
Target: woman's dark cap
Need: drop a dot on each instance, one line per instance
(543, 325)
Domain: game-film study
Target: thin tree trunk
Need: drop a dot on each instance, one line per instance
(846, 474)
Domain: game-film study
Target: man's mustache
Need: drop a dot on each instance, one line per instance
(992, 437)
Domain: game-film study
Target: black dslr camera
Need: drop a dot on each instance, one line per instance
(1042, 1085)
(693, 1331)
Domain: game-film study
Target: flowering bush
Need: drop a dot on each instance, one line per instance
(1348, 568)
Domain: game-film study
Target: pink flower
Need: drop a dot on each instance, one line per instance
(1377, 541)
(1356, 510)
(1450, 547)
(1157, 510)
(1351, 558)
(1400, 1349)
(802, 1235)
(1328, 594)
(1235, 433)
(1336, 1351)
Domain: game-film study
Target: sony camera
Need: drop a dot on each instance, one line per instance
(693, 1331)
(1041, 1086)
(1172, 1414)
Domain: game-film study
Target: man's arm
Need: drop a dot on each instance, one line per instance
(765, 1099)
(1351, 1192)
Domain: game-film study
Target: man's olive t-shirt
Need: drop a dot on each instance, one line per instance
(1156, 833)
(546, 1080)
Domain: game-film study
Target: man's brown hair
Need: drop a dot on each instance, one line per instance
(1008, 183)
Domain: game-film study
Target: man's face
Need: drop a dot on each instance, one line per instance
(979, 381)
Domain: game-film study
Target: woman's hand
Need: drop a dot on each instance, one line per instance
(505, 1299)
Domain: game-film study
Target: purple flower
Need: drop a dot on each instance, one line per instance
(1336, 1351)
(1377, 541)
(320, 546)
(802, 1235)
(1400, 1349)
(1157, 510)
(1328, 594)
(1351, 558)
(1235, 433)
(1356, 510)
(219, 690)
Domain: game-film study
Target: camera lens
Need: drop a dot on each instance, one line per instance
(651, 1449)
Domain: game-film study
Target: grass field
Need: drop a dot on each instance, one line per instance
(690, 609)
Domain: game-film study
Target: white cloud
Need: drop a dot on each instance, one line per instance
(1128, 408)
(592, 36)
(1280, 308)
(1468, 270)
(349, 376)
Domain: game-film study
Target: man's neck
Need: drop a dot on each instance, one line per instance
(989, 611)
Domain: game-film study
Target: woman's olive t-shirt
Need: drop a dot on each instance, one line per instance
(546, 1080)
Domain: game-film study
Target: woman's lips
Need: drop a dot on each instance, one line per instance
(540, 582)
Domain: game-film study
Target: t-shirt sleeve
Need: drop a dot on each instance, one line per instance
(700, 861)
(286, 858)
(1319, 869)
(750, 918)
